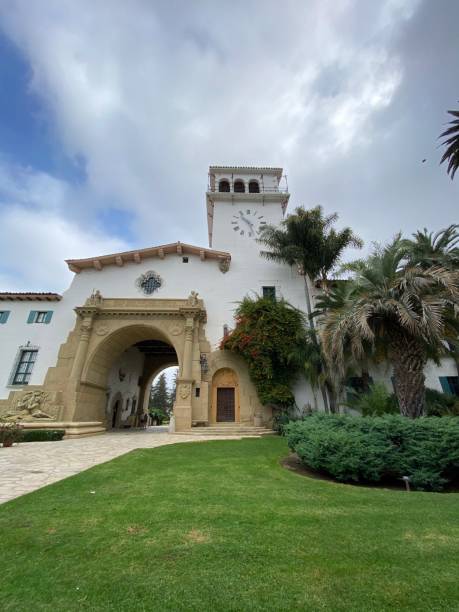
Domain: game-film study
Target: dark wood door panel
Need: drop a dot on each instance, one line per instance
(225, 404)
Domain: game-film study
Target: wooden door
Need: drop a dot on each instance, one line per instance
(225, 405)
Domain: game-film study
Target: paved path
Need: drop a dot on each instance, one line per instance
(31, 465)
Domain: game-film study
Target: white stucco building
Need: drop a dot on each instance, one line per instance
(91, 354)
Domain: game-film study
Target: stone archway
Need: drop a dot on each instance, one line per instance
(107, 327)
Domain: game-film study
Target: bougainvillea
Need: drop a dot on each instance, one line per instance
(266, 335)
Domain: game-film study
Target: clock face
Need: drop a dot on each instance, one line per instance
(247, 222)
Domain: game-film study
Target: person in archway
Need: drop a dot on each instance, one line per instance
(144, 420)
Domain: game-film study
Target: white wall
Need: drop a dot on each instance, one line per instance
(220, 291)
(129, 365)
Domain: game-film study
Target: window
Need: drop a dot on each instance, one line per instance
(149, 282)
(197, 392)
(239, 187)
(450, 384)
(224, 186)
(269, 292)
(185, 259)
(254, 187)
(40, 316)
(4, 314)
(24, 367)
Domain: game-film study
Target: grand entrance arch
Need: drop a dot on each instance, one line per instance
(165, 332)
(77, 393)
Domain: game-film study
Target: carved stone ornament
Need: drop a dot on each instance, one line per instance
(224, 265)
(176, 329)
(193, 298)
(95, 299)
(185, 390)
(149, 282)
(102, 330)
(30, 406)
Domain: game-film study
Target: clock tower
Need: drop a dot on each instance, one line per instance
(240, 201)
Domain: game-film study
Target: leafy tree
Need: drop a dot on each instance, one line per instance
(451, 154)
(391, 308)
(307, 240)
(265, 334)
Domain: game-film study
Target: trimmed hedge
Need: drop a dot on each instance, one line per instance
(371, 449)
(42, 435)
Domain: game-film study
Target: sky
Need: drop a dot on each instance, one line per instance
(112, 111)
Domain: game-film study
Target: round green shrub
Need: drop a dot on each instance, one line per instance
(371, 449)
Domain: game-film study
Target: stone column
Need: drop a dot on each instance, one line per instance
(188, 349)
(183, 408)
(82, 349)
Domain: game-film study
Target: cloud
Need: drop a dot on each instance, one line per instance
(347, 96)
(37, 237)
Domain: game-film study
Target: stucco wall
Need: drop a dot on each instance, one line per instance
(247, 275)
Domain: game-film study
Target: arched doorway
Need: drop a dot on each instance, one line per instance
(114, 407)
(164, 331)
(225, 397)
(123, 365)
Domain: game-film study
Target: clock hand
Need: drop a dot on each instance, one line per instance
(246, 221)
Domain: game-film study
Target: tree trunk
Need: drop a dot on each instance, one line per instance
(408, 360)
(323, 388)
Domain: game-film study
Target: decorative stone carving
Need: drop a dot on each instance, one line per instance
(224, 265)
(176, 329)
(102, 330)
(95, 299)
(193, 298)
(185, 390)
(30, 406)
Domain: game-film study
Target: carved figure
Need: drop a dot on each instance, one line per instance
(185, 390)
(30, 406)
(95, 299)
(193, 298)
(224, 265)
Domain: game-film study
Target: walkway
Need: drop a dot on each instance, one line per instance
(32, 465)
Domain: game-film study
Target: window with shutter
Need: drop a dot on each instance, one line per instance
(4, 314)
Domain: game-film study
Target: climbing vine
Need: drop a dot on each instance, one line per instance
(267, 335)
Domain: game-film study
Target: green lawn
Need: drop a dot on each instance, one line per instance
(222, 526)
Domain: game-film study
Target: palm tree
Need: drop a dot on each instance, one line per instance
(306, 239)
(441, 249)
(427, 249)
(451, 155)
(391, 308)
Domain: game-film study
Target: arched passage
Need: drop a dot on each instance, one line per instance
(122, 366)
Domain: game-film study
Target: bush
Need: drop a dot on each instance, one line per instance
(441, 404)
(375, 402)
(10, 432)
(42, 435)
(371, 449)
(266, 335)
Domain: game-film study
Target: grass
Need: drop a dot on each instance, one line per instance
(221, 525)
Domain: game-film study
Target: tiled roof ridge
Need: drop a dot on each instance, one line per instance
(30, 295)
